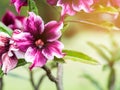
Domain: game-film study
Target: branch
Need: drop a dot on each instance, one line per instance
(49, 74)
(1, 83)
(31, 79)
(60, 76)
(40, 81)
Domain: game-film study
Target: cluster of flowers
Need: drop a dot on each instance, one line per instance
(32, 39)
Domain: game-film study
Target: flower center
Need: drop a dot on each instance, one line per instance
(39, 43)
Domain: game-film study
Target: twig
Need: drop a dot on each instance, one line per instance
(31, 79)
(58, 80)
(40, 81)
(111, 80)
(49, 74)
(1, 83)
(60, 76)
(36, 87)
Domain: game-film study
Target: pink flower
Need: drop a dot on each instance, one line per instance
(18, 4)
(115, 3)
(8, 59)
(12, 21)
(39, 41)
(70, 7)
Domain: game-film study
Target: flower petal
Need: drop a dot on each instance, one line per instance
(18, 4)
(52, 2)
(35, 56)
(34, 24)
(4, 42)
(82, 5)
(8, 18)
(52, 31)
(23, 40)
(8, 62)
(53, 49)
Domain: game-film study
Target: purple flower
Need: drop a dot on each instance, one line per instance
(8, 59)
(70, 7)
(18, 4)
(39, 41)
(12, 21)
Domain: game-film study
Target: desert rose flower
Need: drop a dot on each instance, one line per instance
(18, 4)
(12, 21)
(8, 59)
(70, 7)
(38, 41)
(115, 3)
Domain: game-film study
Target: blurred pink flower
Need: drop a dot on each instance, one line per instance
(18, 4)
(115, 3)
(8, 59)
(70, 7)
(39, 41)
(12, 21)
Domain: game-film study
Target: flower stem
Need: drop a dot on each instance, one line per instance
(60, 77)
(36, 86)
(1, 83)
(49, 74)
(91, 23)
(58, 80)
(111, 79)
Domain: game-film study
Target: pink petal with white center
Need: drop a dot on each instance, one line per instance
(36, 57)
(34, 24)
(23, 40)
(52, 31)
(8, 63)
(53, 49)
(82, 5)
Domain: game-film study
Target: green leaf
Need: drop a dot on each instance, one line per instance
(105, 67)
(33, 7)
(5, 29)
(60, 60)
(109, 25)
(21, 62)
(17, 76)
(65, 27)
(106, 9)
(117, 55)
(1, 73)
(79, 56)
(100, 51)
(93, 81)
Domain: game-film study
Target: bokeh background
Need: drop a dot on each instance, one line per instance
(76, 37)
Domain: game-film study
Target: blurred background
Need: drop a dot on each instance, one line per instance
(80, 36)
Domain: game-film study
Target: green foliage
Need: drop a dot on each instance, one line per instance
(106, 9)
(5, 29)
(109, 25)
(117, 55)
(79, 56)
(21, 62)
(100, 51)
(17, 76)
(93, 81)
(65, 27)
(1, 73)
(60, 60)
(33, 7)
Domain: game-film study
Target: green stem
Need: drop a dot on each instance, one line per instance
(111, 79)
(1, 83)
